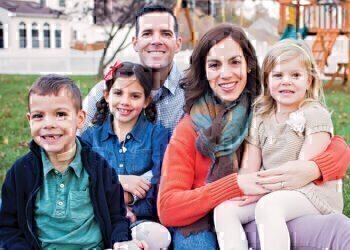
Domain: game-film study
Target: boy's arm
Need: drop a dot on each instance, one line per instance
(148, 205)
(117, 210)
(11, 236)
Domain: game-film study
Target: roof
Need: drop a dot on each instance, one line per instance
(28, 8)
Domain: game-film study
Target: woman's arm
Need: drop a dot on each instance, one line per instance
(334, 162)
(180, 202)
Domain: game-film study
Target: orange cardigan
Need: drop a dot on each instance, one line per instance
(184, 197)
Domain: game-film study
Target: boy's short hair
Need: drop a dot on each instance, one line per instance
(52, 84)
(152, 8)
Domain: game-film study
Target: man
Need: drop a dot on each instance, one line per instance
(156, 41)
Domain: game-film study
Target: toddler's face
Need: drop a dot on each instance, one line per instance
(288, 82)
(54, 121)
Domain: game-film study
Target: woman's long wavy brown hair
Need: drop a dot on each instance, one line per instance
(195, 82)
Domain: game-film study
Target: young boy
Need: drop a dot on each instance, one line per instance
(61, 194)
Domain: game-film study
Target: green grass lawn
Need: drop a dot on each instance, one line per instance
(14, 129)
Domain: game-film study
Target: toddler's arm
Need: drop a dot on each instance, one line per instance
(314, 144)
(251, 161)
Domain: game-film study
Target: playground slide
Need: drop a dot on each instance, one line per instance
(292, 33)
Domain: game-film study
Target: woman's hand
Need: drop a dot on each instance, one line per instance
(135, 185)
(131, 245)
(289, 176)
(248, 184)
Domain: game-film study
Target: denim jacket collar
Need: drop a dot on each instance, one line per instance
(136, 132)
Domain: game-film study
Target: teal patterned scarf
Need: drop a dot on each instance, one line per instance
(221, 130)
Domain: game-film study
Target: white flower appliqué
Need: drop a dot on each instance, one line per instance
(297, 122)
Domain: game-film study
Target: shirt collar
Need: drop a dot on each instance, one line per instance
(139, 128)
(173, 79)
(107, 128)
(136, 132)
(76, 164)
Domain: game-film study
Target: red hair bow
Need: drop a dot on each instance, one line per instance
(111, 72)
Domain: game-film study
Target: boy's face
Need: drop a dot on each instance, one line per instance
(156, 42)
(54, 121)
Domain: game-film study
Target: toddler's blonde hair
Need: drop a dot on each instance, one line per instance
(284, 51)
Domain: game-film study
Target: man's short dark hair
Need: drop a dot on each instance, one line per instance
(52, 84)
(152, 8)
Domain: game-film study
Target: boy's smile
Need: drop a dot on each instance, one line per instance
(54, 121)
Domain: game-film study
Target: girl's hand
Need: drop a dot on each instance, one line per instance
(127, 197)
(130, 214)
(248, 184)
(289, 176)
(247, 199)
(131, 245)
(135, 184)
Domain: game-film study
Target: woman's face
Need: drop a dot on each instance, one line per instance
(226, 70)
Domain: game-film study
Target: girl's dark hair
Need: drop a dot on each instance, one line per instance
(195, 82)
(143, 76)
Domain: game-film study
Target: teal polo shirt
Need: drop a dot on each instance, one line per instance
(63, 210)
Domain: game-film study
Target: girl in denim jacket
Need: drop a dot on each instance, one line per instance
(123, 132)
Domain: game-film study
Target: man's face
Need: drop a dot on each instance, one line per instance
(156, 42)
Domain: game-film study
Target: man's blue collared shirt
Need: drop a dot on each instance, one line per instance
(141, 151)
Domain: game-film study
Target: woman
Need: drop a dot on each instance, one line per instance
(201, 162)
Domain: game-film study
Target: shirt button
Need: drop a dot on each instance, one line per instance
(60, 203)
(56, 172)
(61, 185)
(121, 165)
(120, 151)
(128, 137)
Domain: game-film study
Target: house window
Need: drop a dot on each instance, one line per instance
(35, 36)
(47, 37)
(1, 36)
(58, 38)
(62, 3)
(22, 35)
(75, 35)
(42, 2)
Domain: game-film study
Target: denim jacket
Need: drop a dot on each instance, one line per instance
(142, 151)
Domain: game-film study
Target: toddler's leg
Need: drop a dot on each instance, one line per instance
(273, 211)
(228, 219)
(156, 235)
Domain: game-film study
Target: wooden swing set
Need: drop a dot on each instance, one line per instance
(326, 20)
